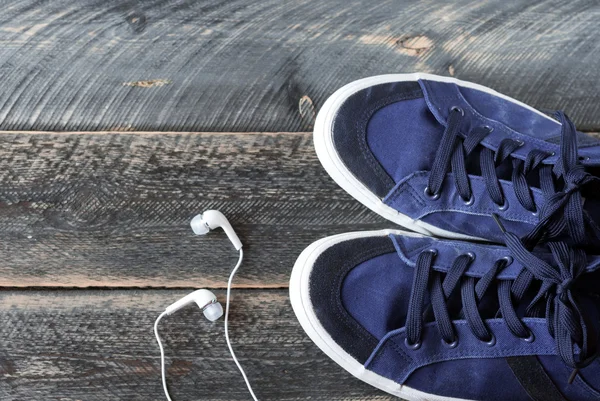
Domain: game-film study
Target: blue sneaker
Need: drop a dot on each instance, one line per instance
(441, 156)
(438, 319)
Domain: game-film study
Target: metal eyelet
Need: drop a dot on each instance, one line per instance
(414, 346)
(432, 251)
(488, 128)
(456, 108)
(552, 154)
(584, 158)
(535, 213)
(530, 338)
(492, 341)
(509, 260)
(519, 142)
(469, 201)
(430, 195)
(503, 206)
(453, 344)
(471, 255)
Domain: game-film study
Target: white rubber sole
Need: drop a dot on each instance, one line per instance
(331, 161)
(300, 299)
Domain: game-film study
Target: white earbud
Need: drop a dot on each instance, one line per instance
(206, 300)
(211, 219)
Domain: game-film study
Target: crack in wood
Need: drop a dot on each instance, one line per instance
(152, 83)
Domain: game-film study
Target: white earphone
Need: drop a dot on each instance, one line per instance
(206, 300)
(211, 219)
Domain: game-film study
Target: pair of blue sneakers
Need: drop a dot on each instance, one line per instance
(495, 294)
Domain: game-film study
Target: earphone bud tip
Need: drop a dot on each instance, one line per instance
(213, 311)
(198, 225)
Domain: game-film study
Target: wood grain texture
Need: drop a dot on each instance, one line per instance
(110, 209)
(244, 65)
(99, 345)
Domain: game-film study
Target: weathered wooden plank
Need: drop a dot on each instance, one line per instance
(114, 209)
(99, 345)
(245, 65)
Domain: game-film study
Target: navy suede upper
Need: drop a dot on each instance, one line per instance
(363, 306)
(350, 125)
(388, 135)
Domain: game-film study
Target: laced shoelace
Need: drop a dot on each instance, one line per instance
(556, 299)
(563, 208)
(565, 317)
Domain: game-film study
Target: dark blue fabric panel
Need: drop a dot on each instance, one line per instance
(473, 379)
(404, 137)
(434, 350)
(376, 293)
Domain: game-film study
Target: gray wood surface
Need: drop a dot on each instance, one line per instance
(113, 209)
(140, 89)
(99, 345)
(244, 65)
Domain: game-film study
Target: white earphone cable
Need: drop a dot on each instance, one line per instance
(162, 356)
(162, 352)
(229, 283)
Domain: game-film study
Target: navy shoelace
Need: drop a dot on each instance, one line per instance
(561, 215)
(562, 212)
(566, 319)
(557, 300)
